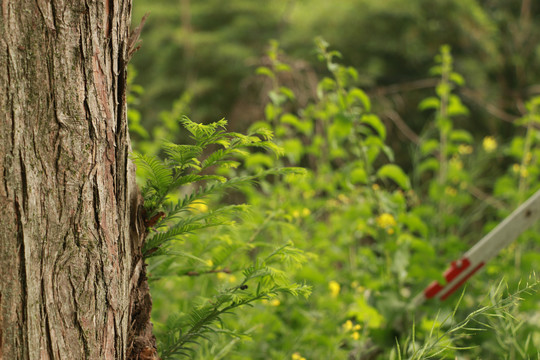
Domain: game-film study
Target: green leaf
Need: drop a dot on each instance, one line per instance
(271, 111)
(429, 147)
(358, 94)
(304, 127)
(287, 92)
(395, 173)
(325, 85)
(374, 146)
(376, 123)
(159, 175)
(263, 70)
(414, 223)
(461, 136)
(294, 149)
(280, 67)
(341, 127)
(429, 103)
(457, 79)
(359, 176)
(456, 107)
(430, 164)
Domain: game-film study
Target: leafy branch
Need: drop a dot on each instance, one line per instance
(186, 165)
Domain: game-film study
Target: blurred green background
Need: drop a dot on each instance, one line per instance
(208, 51)
(374, 235)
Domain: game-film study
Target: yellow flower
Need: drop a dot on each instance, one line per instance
(199, 206)
(450, 191)
(385, 220)
(221, 276)
(456, 163)
(209, 262)
(297, 356)
(375, 187)
(489, 144)
(355, 335)
(275, 302)
(334, 288)
(521, 170)
(348, 325)
(306, 212)
(296, 214)
(231, 278)
(390, 231)
(465, 149)
(357, 327)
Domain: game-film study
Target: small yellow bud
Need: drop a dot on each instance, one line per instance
(275, 302)
(348, 325)
(335, 288)
(385, 220)
(456, 163)
(489, 144)
(465, 149)
(450, 191)
(355, 335)
(221, 276)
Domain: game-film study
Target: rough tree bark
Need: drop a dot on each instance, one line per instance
(72, 281)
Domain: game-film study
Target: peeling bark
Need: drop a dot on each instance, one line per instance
(73, 283)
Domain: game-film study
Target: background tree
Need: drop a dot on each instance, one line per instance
(73, 284)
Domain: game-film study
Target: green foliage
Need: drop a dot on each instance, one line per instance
(267, 282)
(497, 317)
(172, 214)
(204, 50)
(372, 234)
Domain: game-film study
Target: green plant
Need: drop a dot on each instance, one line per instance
(172, 214)
(445, 335)
(371, 236)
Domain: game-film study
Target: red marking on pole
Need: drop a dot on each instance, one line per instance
(455, 287)
(432, 290)
(456, 268)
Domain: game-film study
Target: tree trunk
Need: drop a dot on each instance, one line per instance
(72, 280)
